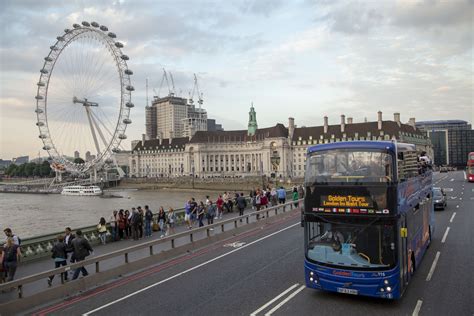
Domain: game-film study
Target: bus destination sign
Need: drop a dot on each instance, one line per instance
(348, 204)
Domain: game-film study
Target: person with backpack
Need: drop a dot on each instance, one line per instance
(9, 234)
(148, 221)
(11, 257)
(59, 256)
(82, 249)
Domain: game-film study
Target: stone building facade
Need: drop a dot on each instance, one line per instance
(278, 151)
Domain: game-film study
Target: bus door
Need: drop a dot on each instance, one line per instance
(403, 252)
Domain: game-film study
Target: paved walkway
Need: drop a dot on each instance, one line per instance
(41, 265)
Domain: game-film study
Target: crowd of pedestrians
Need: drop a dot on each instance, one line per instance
(140, 223)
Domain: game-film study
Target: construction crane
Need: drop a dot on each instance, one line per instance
(172, 91)
(196, 91)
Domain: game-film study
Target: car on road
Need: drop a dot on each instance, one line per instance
(443, 169)
(439, 198)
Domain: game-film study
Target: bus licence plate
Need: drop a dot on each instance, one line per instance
(347, 291)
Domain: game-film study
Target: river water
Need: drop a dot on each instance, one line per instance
(31, 215)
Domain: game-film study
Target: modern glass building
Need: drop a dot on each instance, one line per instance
(452, 140)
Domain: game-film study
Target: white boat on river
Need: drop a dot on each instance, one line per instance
(82, 190)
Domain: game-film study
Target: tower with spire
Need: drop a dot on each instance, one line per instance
(252, 128)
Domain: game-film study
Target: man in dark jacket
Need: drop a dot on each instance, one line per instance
(241, 204)
(59, 256)
(82, 249)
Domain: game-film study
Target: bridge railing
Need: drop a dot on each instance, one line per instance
(38, 247)
(20, 283)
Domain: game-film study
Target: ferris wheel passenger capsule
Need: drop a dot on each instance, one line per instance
(76, 26)
(95, 24)
(67, 30)
(39, 97)
(118, 45)
(42, 136)
(128, 72)
(123, 136)
(44, 71)
(60, 38)
(104, 28)
(115, 150)
(124, 57)
(46, 147)
(48, 58)
(41, 84)
(39, 111)
(39, 123)
(112, 35)
(53, 47)
(129, 105)
(130, 88)
(85, 23)
(127, 121)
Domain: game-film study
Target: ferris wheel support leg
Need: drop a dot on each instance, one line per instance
(92, 129)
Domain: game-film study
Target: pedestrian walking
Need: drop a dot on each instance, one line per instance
(241, 204)
(295, 196)
(82, 249)
(220, 205)
(273, 197)
(170, 221)
(2, 269)
(134, 223)
(68, 238)
(200, 213)
(148, 221)
(128, 224)
(194, 210)
(121, 224)
(211, 213)
(258, 202)
(300, 191)
(141, 216)
(187, 214)
(11, 257)
(59, 255)
(162, 221)
(102, 229)
(225, 197)
(281, 195)
(113, 225)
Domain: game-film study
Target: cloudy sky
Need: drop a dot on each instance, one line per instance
(304, 59)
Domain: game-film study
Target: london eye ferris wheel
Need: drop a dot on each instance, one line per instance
(83, 99)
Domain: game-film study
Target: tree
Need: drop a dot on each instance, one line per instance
(11, 170)
(79, 160)
(45, 169)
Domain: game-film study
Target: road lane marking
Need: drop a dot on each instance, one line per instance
(452, 217)
(451, 180)
(448, 189)
(236, 244)
(465, 175)
(457, 206)
(445, 235)
(273, 300)
(417, 308)
(433, 266)
(285, 300)
(460, 199)
(187, 271)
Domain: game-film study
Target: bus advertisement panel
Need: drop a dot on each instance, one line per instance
(361, 237)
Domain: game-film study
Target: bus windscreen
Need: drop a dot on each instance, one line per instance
(346, 165)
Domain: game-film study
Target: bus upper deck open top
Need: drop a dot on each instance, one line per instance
(368, 217)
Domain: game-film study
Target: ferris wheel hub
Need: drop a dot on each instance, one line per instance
(84, 102)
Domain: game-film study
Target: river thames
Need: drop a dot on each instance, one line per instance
(31, 215)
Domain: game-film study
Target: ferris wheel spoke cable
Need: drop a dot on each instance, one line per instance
(96, 117)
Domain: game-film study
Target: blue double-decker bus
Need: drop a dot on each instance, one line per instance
(368, 217)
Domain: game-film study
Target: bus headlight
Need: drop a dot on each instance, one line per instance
(311, 273)
(382, 289)
(385, 282)
(311, 279)
(389, 289)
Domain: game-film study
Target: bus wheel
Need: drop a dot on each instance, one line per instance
(413, 265)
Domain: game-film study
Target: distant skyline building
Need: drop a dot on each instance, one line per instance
(452, 140)
(212, 126)
(195, 121)
(21, 160)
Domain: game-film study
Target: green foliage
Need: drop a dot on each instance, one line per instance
(29, 170)
(79, 160)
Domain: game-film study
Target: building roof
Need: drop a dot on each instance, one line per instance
(278, 130)
(388, 127)
(171, 99)
(154, 144)
(441, 122)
